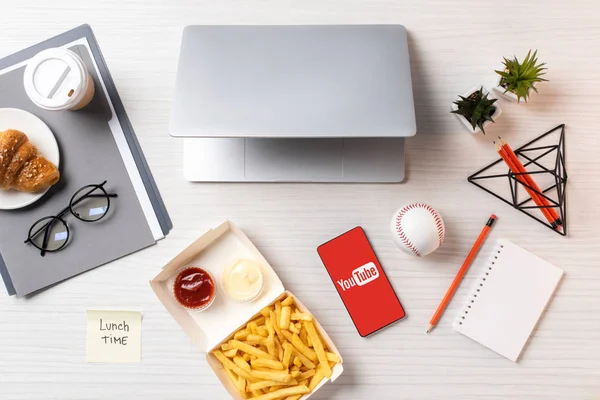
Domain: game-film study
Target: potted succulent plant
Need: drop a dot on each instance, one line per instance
(475, 110)
(517, 79)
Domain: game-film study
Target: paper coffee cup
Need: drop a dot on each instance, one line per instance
(57, 79)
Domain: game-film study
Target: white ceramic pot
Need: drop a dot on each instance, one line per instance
(499, 90)
(466, 123)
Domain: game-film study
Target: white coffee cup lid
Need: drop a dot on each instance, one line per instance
(55, 79)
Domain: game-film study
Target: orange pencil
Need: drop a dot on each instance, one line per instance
(521, 178)
(531, 182)
(461, 272)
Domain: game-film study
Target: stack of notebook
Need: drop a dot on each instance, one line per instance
(96, 144)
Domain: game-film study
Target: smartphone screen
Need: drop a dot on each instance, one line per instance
(361, 282)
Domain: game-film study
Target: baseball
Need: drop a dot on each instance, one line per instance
(418, 229)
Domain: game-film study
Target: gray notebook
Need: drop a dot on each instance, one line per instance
(96, 144)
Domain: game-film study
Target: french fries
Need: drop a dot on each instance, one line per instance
(284, 321)
(271, 347)
(298, 316)
(252, 327)
(287, 354)
(230, 353)
(293, 329)
(262, 363)
(333, 357)
(278, 348)
(316, 379)
(231, 376)
(319, 349)
(278, 311)
(228, 364)
(241, 334)
(246, 348)
(288, 301)
(256, 340)
(297, 361)
(304, 336)
(277, 376)
(239, 361)
(302, 348)
(282, 393)
(274, 322)
(268, 384)
(301, 360)
(241, 384)
(306, 375)
(262, 331)
(269, 325)
(278, 355)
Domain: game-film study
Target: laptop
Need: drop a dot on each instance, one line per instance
(318, 103)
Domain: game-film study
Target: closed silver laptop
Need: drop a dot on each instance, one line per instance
(294, 103)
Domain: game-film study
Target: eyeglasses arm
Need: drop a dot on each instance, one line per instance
(97, 195)
(46, 238)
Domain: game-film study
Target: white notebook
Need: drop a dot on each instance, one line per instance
(508, 299)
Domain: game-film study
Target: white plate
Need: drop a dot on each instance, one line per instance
(41, 137)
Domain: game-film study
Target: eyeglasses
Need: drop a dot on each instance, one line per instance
(89, 204)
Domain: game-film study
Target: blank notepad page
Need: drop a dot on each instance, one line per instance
(508, 299)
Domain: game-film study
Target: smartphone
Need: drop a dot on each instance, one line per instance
(361, 282)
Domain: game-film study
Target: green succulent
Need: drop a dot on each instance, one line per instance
(476, 108)
(519, 78)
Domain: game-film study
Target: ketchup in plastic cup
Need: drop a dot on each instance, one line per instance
(194, 288)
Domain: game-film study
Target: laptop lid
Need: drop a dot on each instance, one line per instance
(293, 81)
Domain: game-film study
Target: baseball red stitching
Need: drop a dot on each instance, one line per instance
(436, 217)
(401, 234)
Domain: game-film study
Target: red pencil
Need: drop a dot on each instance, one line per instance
(461, 272)
(554, 220)
(510, 162)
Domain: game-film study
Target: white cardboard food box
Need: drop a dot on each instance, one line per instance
(213, 251)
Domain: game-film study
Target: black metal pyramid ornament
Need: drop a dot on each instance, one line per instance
(544, 159)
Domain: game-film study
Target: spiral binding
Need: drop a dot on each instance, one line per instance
(485, 275)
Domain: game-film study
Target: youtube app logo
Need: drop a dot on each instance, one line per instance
(360, 276)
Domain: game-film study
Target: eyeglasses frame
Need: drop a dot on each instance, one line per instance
(59, 216)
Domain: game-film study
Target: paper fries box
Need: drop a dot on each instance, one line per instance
(213, 251)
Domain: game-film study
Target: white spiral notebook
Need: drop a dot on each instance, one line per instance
(508, 299)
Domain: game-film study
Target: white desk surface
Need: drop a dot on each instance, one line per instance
(454, 45)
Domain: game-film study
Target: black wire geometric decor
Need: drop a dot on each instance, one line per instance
(544, 159)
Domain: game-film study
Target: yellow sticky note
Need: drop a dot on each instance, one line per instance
(114, 336)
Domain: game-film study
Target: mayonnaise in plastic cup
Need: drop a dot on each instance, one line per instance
(243, 280)
(56, 79)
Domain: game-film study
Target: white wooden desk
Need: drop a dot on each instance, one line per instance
(454, 45)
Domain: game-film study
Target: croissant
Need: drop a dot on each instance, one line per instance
(22, 167)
